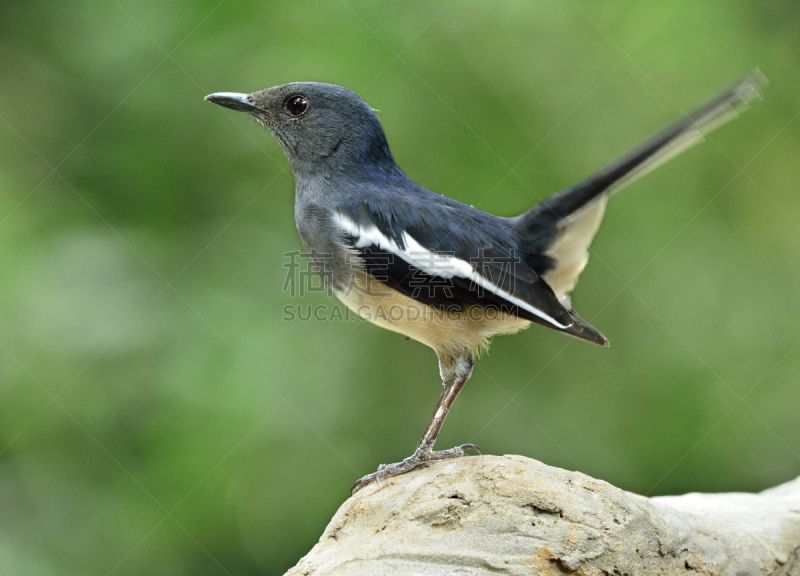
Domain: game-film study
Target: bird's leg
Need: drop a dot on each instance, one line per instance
(455, 373)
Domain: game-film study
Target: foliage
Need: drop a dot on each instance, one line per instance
(158, 414)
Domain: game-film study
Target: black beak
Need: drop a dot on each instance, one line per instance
(233, 101)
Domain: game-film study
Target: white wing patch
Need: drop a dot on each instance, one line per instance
(433, 263)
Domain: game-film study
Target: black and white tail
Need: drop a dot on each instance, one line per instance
(560, 228)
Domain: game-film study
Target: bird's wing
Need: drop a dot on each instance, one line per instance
(448, 258)
(561, 227)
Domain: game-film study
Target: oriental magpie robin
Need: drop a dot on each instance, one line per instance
(429, 267)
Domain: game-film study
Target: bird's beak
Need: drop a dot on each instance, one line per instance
(233, 101)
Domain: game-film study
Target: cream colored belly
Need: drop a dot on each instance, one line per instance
(451, 333)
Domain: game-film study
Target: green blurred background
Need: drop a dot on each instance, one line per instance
(157, 414)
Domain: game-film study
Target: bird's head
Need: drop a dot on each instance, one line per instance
(320, 127)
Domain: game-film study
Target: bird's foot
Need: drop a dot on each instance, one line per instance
(420, 456)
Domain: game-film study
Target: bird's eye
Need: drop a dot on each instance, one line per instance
(296, 105)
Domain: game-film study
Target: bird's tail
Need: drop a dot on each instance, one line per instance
(664, 145)
(556, 233)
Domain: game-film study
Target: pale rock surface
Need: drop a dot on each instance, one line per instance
(513, 515)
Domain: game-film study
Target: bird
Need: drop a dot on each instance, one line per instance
(431, 268)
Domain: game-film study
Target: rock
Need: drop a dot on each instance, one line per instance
(513, 515)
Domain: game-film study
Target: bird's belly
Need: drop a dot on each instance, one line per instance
(450, 332)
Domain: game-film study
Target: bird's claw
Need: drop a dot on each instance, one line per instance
(416, 459)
